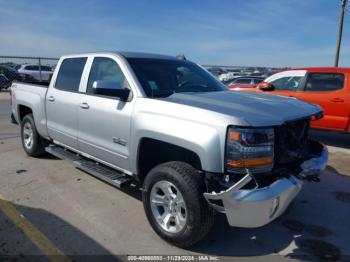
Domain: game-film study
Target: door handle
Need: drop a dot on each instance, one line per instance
(51, 98)
(337, 99)
(84, 105)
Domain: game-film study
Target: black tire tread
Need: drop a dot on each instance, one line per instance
(196, 185)
(207, 213)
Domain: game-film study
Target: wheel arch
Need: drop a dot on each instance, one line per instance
(23, 110)
(152, 152)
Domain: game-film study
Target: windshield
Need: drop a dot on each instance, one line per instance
(160, 77)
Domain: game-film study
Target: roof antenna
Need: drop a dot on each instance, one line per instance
(181, 56)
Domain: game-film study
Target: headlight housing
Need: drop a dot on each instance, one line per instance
(249, 148)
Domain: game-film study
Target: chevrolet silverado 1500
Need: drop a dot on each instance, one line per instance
(169, 126)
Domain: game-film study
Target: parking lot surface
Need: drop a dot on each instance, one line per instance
(49, 207)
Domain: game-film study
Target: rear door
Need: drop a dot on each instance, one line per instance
(330, 90)
(35, 71)
(105, 122)
(62, 102)
(256, 81)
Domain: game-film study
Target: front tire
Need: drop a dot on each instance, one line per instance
(174, 203)
(33, 144)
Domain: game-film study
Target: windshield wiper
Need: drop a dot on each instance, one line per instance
(166, 93)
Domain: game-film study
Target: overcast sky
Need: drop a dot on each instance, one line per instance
(232, 32)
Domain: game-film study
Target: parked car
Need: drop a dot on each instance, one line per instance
(8, 74)
(4, 82)
(227, 76)
(216, 71)
(327, 87)
(244, 82)
(42, 73)
(14, 66)
(172, 128)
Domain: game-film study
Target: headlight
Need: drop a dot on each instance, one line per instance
(249, 149)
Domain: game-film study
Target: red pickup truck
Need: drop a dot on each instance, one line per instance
(327, 87)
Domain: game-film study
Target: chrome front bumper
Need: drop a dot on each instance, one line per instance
(258, 207)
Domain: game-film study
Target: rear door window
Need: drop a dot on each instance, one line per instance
(257, 81)
(318, 82)
(29, 67)
(69, 74)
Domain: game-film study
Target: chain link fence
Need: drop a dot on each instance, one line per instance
(25, 69)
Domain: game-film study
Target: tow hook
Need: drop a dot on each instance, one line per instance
(312, 168)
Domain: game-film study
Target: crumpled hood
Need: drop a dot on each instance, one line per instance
(254, 109)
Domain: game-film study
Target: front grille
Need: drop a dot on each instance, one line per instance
(291, 142)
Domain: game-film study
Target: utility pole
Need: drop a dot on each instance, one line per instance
(340, 31)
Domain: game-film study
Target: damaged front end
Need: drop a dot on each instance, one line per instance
(260, 194)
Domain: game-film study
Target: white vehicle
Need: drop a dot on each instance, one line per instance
(226, 76)
(42, 73)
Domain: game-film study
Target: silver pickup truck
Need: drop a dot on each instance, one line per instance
(169, 126)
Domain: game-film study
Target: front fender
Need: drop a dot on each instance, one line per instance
(204, 140)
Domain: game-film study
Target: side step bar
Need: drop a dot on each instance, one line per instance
(107, 174)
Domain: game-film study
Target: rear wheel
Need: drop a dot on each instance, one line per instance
(174, 203)
(33, 144)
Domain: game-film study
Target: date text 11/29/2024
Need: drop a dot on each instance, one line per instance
(173, 258)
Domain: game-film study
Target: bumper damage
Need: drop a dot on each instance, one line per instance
(257, 207)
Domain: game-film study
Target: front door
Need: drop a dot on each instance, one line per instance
(104, 122)
(286, 85)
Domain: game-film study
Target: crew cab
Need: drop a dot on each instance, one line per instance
(327, 87)
(169, 126)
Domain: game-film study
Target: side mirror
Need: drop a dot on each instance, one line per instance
(265, 86)
(110, 88)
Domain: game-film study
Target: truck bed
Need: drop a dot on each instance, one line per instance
(31, 96)
(44, 84)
